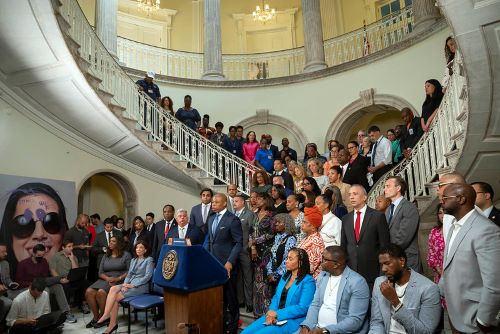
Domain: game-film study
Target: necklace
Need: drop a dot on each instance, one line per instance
(330, 287)
(404, 291)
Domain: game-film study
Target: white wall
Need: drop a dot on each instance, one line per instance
(27, 149)
(313, 104)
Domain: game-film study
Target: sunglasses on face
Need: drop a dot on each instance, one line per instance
(24, 225)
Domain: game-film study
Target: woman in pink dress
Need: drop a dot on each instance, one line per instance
(250, 147)
(436, 246)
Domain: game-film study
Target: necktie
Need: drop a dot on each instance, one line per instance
(205, 213)
(109, 237)
(167, 228)
(357, 225)
(391, 213)
(238, 214)
(215, 223)
(181, 233)
(374, 151)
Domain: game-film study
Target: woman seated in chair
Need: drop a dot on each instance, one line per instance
(293, 296)
(136, 283)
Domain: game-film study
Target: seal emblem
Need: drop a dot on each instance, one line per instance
(170, 263)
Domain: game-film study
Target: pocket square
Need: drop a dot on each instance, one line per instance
(222, 227)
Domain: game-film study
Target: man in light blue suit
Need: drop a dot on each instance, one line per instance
(340, 304)
(403, 301)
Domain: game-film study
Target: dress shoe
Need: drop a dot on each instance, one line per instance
(249, 309)
(114, 329)
(91, 323)
(101, 324)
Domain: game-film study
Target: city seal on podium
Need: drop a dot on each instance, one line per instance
(170, 263)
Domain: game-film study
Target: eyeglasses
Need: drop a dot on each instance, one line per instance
(442, 184)
(324, 259)
(351, 148)
(447, 197)
(24, 225)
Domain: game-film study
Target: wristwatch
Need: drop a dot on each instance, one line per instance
(325, 331)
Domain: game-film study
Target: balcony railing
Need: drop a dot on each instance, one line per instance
(213, 160)
(438, 148)
(341, 49)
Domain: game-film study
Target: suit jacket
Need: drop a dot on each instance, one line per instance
(100, 242)
(421, 310)
(404, 231)
(227, 241)
(196, 217)
(470, 280)
(276, 152)
(280, 209)
(362, 254)
(193, 233)
(356, 172)
(353, 298)
(5, 273)
(247, 219)
(158, 238)
(410, 136)
(151, 231)
(495, 216)
(144, 235)
(140, 274)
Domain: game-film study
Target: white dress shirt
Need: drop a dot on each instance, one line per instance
(457, 226)
(362, 218)
(328, 312)
(383, 151)
(182, 231)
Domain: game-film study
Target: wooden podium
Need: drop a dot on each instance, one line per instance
(192, 282)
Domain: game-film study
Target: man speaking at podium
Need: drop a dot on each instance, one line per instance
(225, 239)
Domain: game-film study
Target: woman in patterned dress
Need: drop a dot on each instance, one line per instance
(260, 243)
(436, 246)
(313, 243)
(293, 203)
(284, 240)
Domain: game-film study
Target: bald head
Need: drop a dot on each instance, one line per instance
(219, 202)
(458, 199)
(448, 179)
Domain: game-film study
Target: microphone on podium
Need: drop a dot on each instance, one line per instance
(190, 327)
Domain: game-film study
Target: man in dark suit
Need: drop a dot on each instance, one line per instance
(201, 212)
(413, 132)
(364, 232)
(484, 201)
(279, 169)
(101, 241)
(150, 224)
(161, 230)
(225, 238)
(185, 230)
(245, 273)
(273, 148)
(354, 167)
(404, 220)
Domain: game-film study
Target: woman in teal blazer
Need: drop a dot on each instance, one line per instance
(293, 296)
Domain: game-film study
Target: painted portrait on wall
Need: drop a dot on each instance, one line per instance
(34, 211)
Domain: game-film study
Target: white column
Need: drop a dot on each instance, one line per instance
(212, 49)
(425, 13)
(313, 36)
(105, 24)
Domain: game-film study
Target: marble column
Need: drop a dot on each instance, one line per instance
(425, 13)
(212, 47)
(313, 36)
(106, 16)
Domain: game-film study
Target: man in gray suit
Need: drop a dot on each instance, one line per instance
(471, 270)
(245, 274)
(341, 300)
(232, 190)
(403, 301)
(403, 219)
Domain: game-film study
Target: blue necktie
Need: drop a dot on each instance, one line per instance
(374, 151)
(391, 213)
(215, 223)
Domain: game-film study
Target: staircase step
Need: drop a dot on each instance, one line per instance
(423, 201)
(142, 134)
(432, 188)
(106, 97)
(444, 170)
(453, 156)
(459, 136)
(93, 81)
(156, 145)
(167, 154)
(116, 109)
(130, 123)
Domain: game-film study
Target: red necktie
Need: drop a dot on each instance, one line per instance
(357, 225)
(167, 228)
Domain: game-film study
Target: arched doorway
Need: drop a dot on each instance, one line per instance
(370, 109)
(108, 193)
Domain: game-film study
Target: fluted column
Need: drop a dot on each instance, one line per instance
(105, 24)
(313, 36)
(212, 48)
(425, 13)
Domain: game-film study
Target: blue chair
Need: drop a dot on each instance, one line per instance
(125, 303)
(146, 302)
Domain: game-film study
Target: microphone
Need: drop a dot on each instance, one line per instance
(182, 325)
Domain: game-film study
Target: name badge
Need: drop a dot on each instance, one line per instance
(150, 91)
(234, 151)
(269, 157)
(410, 131)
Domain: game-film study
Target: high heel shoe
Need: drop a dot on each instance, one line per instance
(101, 324)
(112, 330)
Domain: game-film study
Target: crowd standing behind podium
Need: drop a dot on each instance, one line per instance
(304, 253)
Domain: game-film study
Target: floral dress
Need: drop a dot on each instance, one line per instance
(435, 256)
(262, 233)
(314, 247)
(298, 222)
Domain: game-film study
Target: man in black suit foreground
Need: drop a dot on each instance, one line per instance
(364, 233)
(225, 238)
(185, 230)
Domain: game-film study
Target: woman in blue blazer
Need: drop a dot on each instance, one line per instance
(293, 296)
(136, 283)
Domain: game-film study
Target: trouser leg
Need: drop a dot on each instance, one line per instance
(58, 292)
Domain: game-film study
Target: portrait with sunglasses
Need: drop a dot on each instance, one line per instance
(34, 214)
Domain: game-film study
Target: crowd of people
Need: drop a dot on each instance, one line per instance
(304, 253)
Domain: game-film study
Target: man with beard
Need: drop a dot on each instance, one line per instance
(397, 295)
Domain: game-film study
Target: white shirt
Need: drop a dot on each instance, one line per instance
(457, 226)
(486, 212)
(363, 212)
(330, 230)
(328, 312)
(383, 151)
(344, 169)
(168, 225)
(396, 203)
(27, 307)
(448, 220)
(396, 327)
(238, 213)
(182, 231)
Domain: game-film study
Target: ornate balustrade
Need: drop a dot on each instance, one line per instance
(344, 48)
(439, 148)
(162, 127)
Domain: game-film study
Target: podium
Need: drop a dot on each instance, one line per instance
(192, 280)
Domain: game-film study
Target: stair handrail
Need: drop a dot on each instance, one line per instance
(429, 154)
(163, 127)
